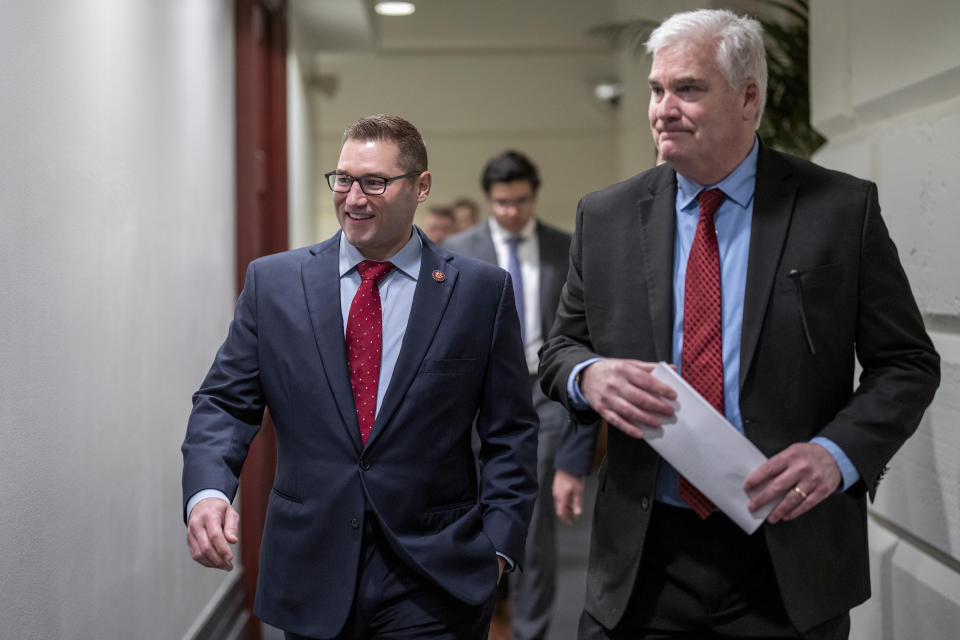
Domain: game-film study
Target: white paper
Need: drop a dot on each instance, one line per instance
(709, 451)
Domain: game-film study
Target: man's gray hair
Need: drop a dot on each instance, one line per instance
(738, 40)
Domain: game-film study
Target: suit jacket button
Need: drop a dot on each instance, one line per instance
(364, 464)
(644, 503)
(355, 523)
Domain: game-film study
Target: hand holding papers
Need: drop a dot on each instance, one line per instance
(709, 451)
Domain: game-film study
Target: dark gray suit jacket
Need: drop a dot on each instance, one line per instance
(575, 451)
(824, 287)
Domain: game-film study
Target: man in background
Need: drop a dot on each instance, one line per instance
(763, 278)
(465, 213)
(536, 256)
(438, 223)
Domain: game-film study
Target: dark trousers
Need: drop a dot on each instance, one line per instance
(393, 602)
(532, 591)
(705, 579)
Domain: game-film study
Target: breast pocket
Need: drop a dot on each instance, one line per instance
(816, 292)
(449, 366)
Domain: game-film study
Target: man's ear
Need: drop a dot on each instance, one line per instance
(751, 100)
(424, 182)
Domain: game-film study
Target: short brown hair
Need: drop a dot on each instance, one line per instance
(442, 212)
(412, 151)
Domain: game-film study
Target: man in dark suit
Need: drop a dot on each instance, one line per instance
(789, 281)
(375, 352)
(536, 255)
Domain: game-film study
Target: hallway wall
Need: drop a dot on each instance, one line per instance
(470, 106)
(117, 281)
(303, 176)
(885, 80)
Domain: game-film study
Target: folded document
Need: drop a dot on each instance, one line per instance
(709, 451)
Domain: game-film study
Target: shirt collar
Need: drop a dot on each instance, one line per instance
(738, 186)
(406, 260)
(500, 234)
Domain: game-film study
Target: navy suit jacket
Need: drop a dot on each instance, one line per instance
(575, 450)
(824, 289)
(461, 359)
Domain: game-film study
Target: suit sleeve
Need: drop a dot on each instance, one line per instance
(228, 407)
(901, 370)
(575, 451)
(569, 341)
(507, 425)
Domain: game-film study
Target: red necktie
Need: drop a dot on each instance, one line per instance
(364, 342)
(701, 363)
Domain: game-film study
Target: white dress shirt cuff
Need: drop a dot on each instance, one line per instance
(203, 494)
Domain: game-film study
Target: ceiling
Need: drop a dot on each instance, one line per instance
(452, 25)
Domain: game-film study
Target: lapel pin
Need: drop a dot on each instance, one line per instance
(439, 276)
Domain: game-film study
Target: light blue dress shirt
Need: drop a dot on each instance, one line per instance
(732, 221)
(396, 298)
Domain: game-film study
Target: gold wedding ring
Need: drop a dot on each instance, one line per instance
(800, 491)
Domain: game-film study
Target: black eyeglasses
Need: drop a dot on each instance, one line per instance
(370, 185)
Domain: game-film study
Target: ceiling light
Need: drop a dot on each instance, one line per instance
(394, 8)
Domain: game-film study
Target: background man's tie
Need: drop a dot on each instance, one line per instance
(701, 362)
(364, 342)
(516, 274)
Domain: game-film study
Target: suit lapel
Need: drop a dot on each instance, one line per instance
(657, 228)
(773, 206)
(429, 303)
(553, 260)
(321, 284)
(487, 251)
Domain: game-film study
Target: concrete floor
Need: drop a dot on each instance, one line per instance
(573, 544)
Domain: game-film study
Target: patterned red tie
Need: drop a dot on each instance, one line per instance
(702, 360)
(364, 342)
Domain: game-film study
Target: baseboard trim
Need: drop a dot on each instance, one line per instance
(223, 617)
(914, 540)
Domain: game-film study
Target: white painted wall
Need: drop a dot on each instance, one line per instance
(117, 284)
(885, 80)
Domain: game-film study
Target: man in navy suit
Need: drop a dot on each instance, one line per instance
(514, 238)
(383, 530)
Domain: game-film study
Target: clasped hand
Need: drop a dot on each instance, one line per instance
(627, 396)
(211, 529)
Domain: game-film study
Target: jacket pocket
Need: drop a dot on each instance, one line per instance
(449, 366)
(813, 277)
(287, 496)
(436, 518)
(804, 282)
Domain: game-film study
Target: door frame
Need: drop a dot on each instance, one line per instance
(261, 226)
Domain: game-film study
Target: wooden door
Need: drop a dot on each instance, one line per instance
(261, 218)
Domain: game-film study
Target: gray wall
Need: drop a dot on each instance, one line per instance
(885, 80)
(116, 280)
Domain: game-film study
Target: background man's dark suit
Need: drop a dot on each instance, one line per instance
(461, 359)
(823, 280)
(560, 445)
(575, 448)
